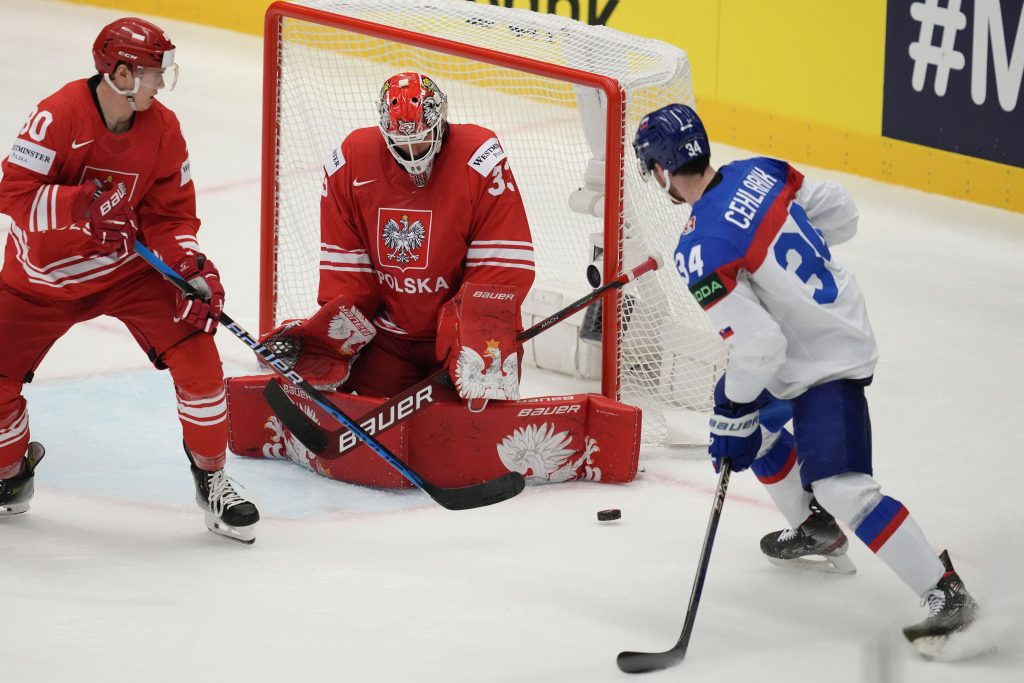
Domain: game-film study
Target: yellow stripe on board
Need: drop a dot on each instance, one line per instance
(800, 79)
(892, 161)
(245, 16)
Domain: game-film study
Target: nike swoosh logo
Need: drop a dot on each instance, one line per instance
(359, 183)
(76, 144)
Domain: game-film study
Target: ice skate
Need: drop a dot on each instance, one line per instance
(227, 513)
(818, 535)
(950, 609)
(16, 492)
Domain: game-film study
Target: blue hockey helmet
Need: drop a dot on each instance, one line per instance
(672, 136)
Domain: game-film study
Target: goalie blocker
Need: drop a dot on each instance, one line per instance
(548, 439)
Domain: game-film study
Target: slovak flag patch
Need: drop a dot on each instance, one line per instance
(725, 332)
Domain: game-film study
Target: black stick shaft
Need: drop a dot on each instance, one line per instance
(462, 498)
(313, 437)
(642, 662)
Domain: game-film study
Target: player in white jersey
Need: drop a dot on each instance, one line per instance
(756, 254)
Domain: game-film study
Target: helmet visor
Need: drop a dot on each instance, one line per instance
(157, 78)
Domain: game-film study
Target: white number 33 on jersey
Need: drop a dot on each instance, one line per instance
(499, 183)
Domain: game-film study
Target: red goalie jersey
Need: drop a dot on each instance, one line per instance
(66, 143)
(401, 251)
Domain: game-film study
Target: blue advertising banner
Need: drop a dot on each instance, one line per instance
(953, 74)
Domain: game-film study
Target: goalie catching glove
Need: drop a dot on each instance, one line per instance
(203, 309)
(476, 342)
(322, 348)
(109, 214)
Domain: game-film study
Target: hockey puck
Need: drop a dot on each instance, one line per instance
(609, 515)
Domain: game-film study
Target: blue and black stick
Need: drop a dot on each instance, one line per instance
(461, 498)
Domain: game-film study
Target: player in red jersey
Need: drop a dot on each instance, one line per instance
(99, 164)
(425, 258)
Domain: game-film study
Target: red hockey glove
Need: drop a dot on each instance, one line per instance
(110, 217)
(476, 341)
(202, 311)
(322, 348)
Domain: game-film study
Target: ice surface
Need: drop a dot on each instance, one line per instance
(113, 577)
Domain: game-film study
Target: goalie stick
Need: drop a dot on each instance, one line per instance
(402, 406)
(461, 498)
(642, 662)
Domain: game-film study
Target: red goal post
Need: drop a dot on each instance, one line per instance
(519, 73)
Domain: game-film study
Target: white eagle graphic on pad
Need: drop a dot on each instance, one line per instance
(499, 381)
(403, 238)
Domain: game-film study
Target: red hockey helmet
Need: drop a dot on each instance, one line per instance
(413, 113)
(141, 45)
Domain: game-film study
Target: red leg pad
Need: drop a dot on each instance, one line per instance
(550, 439)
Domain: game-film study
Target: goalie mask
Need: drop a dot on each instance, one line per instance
(144, 47)
(413, 114)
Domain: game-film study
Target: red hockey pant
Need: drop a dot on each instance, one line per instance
(390, 364)
(145, 303)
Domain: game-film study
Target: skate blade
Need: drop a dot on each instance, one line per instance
(242, 534)
(951, 648)
(931, 647)
(833, 564)
(977, 639)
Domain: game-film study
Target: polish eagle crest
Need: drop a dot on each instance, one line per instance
(403, 238)
(476, 379)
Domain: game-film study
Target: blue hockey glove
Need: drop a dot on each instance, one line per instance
(735, 429)
(735, 434)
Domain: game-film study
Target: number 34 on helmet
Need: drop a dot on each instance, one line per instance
(672, 137)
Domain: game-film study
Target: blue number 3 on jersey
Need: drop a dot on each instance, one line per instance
(812, 257)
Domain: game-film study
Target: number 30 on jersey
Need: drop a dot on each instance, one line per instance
(36, 125)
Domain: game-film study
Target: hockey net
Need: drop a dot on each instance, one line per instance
(565, 99)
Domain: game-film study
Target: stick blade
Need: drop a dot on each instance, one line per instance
(642, 662)
(478, 495)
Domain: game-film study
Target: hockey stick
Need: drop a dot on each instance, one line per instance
(402, 406)
(642, 662)
(462, 498)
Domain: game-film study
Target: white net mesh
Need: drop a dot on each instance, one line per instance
(329, 80)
